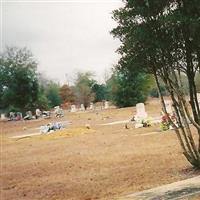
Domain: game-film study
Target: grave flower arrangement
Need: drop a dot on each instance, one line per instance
(165, 121)
(143, 122)
(147, 122)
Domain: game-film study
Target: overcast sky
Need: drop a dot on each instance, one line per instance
(64, 36)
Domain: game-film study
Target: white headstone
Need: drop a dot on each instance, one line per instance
(82, 107)
(73, 108)
(56, 109)
(140, 111)
(198, 97)
(38, 112)
(106, 105)
(91, 106)
(3, 116)
(168, 105)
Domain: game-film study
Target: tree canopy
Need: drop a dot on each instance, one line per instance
(162, 38)
(130, 87)
(18, 79)
(66, 93)
(83, 88)
(52, 94)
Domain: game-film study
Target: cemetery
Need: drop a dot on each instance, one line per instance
(84, 159)
(100, 100)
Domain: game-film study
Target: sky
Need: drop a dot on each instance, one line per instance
(64, 36)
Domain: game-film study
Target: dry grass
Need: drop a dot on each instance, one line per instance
(64, 133)
(98, 163)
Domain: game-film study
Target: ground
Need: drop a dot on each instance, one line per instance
(103, 162)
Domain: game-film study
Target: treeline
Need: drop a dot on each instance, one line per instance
(22, 88)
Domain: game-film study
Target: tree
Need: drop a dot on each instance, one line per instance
(66, 94)
(100, 91)
(42, 101)
(52, 94)
(111, 85)
(197, 80)
(83, 88)
(131, 87)
(162, 38)
(18, 79)
(154, 91)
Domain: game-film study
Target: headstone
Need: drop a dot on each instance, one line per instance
(140, 116)
(56, 109)
(19, 116)
(91, 106)
(168, 105)
(46, 114)
(106, 105)
(38, 112)
(29, 115)
(140, 111)
(82, 107)
(12, 116)
(198, 97)
(3, 116)
(73, 108)
(59, 112)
